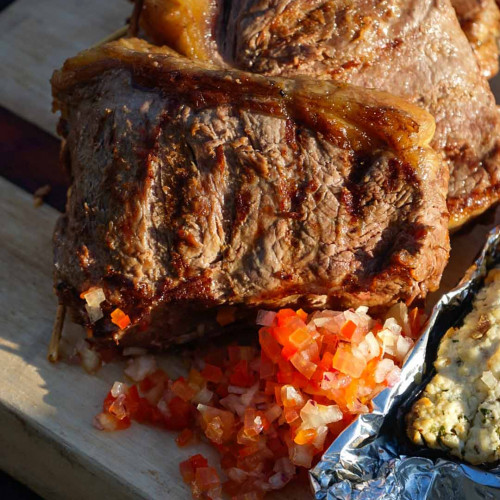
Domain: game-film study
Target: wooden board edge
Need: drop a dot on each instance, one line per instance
(53, 470)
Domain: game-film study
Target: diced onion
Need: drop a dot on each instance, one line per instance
(94, 297)
(373, 345)
(392, 325)
(315, 415)
(203, 396)
(248, 396)
(321, 433)
(383, 368)
(265, 318)
(94, 313)
(403, 345)
(139, 368)
(233, 403)
(301, 455)
(256, 405)
(273, 413)
(489, 379)
(104, 422)
(91, 361)
(118, 389)
(398, 314)
(389, 341)
(393, 376)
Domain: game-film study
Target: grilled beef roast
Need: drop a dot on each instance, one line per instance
(195, 188)
(480, 21)
(414, 49)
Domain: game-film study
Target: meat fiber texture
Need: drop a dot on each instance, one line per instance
(195, 188)
(480, 21)
(414, 49)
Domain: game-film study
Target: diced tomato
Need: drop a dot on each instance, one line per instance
(267, 367)
(288, 351)
(183, 390)
(344, 361)
(305, 436)
(283, 315)
(348, 328)
(241, 377)
(269, 387)
(184, 437)
(269, 345)
(108, 401)
(189, 466)
(300, 338)
(222, 390)
(143, 412)
(298, 380)
(326, 361)
(181, 414)
(146, 384)
(206, 480)
(331, 341)
(351, 393)
(264, 403)
(302, 315)
(132, 399)
(212, 373)
(120, 319)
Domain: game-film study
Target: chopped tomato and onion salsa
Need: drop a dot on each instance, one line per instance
(273, 409)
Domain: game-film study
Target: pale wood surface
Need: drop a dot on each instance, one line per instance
(46, 436)
(36, 36)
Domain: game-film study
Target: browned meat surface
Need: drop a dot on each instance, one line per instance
(194, 188)
(415, 49)
(480, 20)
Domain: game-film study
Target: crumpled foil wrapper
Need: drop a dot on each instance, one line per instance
(373, 458)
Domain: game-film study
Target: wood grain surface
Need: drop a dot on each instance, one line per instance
(36, 36)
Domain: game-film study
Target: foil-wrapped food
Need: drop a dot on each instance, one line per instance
(403, 449)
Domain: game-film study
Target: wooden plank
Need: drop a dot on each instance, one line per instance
(46, 410)
(37, 36)
(29, 158)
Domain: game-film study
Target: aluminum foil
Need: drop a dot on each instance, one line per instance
(373, 458)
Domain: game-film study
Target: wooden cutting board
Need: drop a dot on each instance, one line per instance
(46, 411)
(46, 437)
